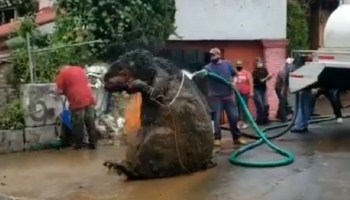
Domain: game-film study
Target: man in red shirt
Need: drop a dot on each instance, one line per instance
(73, 83)
(244, 84)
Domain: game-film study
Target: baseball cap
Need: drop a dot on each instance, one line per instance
(215, 51)
(239, 63)
(289, 60)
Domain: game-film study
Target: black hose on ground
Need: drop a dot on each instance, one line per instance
(288, 125)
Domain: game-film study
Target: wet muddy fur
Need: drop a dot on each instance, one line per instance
(174, 139)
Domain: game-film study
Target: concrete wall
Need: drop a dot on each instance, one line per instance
(42, 109)
(41, 112)
(40, 104)
(46, 3)
(231, 19)
(11, 141)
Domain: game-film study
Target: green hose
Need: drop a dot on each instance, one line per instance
(289, 157)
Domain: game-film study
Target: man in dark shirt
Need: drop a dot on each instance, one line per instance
(221, 96)
(281, 89)
(260, 78)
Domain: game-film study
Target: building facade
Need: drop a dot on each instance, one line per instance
(242, 29)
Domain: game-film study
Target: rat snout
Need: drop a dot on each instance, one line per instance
(116, 84)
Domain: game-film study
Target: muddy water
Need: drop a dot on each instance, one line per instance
(80, 175)
(320, 172)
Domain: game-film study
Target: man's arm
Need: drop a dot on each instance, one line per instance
(232, 69)
(233, 74)
(201, 73)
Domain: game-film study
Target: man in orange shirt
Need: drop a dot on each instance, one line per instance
(73, 83)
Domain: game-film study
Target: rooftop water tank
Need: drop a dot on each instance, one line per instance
(337, 29)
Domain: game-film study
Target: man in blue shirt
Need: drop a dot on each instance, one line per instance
(221, 96)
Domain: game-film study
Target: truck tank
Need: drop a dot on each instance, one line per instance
(330, 65)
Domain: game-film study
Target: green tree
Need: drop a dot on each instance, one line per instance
(47, 62)
(297, 26)
(122, 24)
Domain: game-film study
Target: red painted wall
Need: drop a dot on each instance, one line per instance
(273, 52)
(246, 51)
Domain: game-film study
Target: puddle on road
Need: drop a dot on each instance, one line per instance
(76, 175)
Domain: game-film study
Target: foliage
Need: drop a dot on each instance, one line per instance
(123, 24)
(47, 62)
(23, 6)
(297, 27)
(13, 117)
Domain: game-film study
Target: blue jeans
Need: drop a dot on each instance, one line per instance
(304, 110)
(242, 115)
(333, 95)
(218, 104)
(261, 105)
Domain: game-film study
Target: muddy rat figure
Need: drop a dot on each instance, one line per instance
(176, 134)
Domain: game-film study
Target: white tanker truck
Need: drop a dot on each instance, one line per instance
(329, 66)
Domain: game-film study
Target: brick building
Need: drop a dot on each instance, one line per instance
(242, 29)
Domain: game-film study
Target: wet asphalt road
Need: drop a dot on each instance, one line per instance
(320, 172)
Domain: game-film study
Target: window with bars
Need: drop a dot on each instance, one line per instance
(7, 15)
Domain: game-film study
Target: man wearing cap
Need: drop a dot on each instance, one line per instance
(281, 89)
(221, 96)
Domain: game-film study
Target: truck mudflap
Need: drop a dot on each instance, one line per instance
(305, 76)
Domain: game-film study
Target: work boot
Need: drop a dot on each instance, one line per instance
(294, 130)
(244, 126)
(239, 141)
(217, 143)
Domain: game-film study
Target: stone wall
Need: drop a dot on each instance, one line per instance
(41, 111)
(11, 141)
(7, 92)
